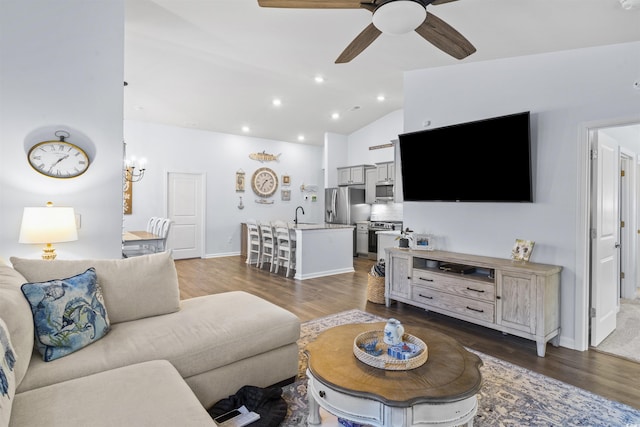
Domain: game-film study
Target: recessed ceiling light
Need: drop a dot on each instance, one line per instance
(276, 102)
(319, 79)
(380, 98)
(300, 137)
(245, 129)
(335, 116)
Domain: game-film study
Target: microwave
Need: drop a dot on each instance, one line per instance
(384, 192)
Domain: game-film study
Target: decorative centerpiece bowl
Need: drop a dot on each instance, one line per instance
(369, 348)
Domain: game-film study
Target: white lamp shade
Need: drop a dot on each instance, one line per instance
(399, 17)
(48, 225)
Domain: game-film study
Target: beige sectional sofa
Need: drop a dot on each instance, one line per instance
(162, 362)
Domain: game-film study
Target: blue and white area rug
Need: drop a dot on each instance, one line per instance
(510, 395)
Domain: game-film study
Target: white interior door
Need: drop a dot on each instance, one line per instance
(605, 263)
(185, 206)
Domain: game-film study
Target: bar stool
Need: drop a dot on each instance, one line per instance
(254, 242)
(269, 245)
(286, 247)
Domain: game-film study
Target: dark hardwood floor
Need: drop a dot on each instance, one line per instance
(609, 376)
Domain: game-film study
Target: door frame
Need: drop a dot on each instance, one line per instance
(627, 233)
(583, 241)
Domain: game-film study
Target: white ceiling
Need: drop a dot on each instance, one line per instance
(217, 64)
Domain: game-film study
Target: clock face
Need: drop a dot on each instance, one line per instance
(58, 159)
(264, 182)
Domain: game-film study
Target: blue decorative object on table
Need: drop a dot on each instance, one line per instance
(370, 348)
(403, 351)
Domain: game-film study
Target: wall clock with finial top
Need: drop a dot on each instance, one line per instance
(58, 158)
(264, 182)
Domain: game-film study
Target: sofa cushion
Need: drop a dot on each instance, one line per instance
(133, 288)
(208, 332)
(68, 314)
(146, 394)
(7, 375)
(16, 314)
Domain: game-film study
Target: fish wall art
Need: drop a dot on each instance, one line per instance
(265, 157)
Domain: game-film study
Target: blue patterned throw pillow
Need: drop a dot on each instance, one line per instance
(7, 375)
(68, 314)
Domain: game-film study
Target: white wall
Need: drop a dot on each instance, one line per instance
(219, 156)
(564, 91)
(61, 67)
(380, 132)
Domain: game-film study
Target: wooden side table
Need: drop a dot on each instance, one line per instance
(442, 392)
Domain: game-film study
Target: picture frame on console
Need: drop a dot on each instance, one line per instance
(423, 242)
(522, 250)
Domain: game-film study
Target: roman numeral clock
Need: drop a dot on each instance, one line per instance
(58, 159)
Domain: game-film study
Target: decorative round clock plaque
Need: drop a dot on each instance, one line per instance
(264, 182)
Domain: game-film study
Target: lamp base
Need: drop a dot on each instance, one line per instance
(49, 252)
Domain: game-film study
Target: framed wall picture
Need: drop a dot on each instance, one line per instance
(285, 195)
(286, 180)
(127, 196)
(422, 242)
(522, 250)
(240, 181)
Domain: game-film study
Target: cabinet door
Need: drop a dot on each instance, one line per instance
(370, 186)
(382, 172)
(516, 301)
(398, 275)
(391, 172)
(344, 176)
(357, 175)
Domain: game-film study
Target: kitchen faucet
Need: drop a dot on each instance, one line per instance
(295, 221)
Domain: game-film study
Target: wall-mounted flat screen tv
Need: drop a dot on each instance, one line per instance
(482, 161)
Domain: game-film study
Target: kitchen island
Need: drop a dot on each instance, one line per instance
(323, 250)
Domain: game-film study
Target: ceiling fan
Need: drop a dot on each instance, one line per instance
(390, 17)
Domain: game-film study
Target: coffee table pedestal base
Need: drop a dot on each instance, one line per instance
(374, 413)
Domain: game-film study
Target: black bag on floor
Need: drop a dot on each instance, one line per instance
(267, 402)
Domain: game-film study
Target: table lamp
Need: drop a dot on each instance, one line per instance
(48, 225)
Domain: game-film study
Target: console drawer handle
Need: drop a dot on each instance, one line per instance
(426, 280)
(475, 309)
(322, 393)
(425, 296)
(480, 291)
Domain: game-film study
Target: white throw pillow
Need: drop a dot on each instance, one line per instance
(133, 288)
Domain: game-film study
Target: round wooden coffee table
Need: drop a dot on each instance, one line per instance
(442, 392)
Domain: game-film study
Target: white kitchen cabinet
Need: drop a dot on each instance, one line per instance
(386, 172)
(519, 298)
(352, 175)
(371, 177)
(362, 238)
(386, 239)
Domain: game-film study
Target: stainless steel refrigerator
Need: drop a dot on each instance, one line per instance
(346, 205)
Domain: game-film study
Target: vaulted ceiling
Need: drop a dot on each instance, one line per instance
(218, 64)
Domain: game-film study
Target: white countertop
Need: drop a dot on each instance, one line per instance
(322, 226)
(391, 232)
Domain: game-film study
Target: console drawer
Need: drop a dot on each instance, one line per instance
(480, 310)
(460, 286)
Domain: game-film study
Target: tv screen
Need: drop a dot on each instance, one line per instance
(482, 161)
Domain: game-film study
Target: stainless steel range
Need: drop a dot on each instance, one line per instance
(375, 226)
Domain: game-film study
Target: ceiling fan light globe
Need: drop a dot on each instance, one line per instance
(399, 17)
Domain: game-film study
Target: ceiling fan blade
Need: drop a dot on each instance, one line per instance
(311, 4)
(445, 37)
(360, 43)
(437, 2)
